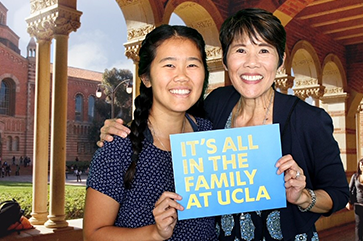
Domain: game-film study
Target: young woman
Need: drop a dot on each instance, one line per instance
(130, 189)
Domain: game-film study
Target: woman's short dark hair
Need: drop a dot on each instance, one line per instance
(254, 23)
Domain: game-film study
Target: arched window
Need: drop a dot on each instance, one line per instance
(79, 107)
(7, 97)
(16, 144)
(91, 108)
(9, 143)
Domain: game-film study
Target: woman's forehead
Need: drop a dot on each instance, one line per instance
(244, 39)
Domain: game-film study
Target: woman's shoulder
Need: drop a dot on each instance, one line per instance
(301, 107)
(222, 92)
(118, 147)
(203, 124)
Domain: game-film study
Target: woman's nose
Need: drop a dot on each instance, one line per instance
(181, 75)
(251, 61)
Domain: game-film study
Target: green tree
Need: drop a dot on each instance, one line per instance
(102, 111)
(123, 101)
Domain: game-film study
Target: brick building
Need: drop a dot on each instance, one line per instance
(17, 99)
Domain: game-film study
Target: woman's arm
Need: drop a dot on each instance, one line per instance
(101, 212)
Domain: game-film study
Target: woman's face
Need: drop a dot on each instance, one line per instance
(176, 75)
(361, 166)
(252, 67)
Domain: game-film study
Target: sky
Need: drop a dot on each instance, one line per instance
(97, 45)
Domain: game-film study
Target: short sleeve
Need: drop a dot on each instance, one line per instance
(108, 166)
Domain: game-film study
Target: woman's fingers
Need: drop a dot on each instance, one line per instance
(165, 213)
(112, 127)
(295, 180)
(167, 200)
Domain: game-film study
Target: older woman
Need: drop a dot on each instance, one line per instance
(253, 44)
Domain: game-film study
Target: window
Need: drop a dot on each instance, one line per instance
(9, 143)
(79, 107)
(91, 108)
(16, 144)
(7, 97)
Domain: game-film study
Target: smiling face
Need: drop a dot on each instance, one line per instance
(252, 67)
(176, 75)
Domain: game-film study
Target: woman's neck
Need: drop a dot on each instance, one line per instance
(162, 126)
(251, 112)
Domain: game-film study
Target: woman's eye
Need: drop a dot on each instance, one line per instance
(240, 51)
(265, 51)
(169, 65)
(192, 65)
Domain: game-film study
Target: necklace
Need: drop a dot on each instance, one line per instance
(157, 137)
(239, 107)
(268, 109)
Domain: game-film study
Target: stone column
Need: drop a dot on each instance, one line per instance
(132, 52)
(352, 131)
(56, 217)
(41, 134)
(334, 102)
(56, 19)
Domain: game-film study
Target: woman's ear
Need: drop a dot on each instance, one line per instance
(225, 67)
(145, 79)
(282, 66)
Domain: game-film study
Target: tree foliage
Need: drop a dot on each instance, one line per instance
(123, 100)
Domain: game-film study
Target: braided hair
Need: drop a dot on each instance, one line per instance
(144, 101)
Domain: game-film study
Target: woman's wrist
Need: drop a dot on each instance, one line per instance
(311, 200)
(155, 234)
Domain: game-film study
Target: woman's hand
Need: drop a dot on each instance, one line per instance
(112, 127)
(165, 213)
(295, 180)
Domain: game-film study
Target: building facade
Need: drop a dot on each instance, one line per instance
(17, 100)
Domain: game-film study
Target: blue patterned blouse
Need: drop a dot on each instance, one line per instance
(154, 175)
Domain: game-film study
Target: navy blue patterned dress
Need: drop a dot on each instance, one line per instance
(154, 175)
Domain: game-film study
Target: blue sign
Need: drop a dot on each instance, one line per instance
(228, 171)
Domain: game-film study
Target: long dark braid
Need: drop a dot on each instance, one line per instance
(144, 101)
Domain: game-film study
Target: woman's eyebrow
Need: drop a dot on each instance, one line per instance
(174, 59)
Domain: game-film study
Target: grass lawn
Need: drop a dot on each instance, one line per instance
(22, 193)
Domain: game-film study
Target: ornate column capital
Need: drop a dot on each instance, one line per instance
(37, 5)
(49, 18)
(132, 50)
(135, 36)
(334, 94)
(283, 81)
(214, 58)
(308, 87)
(139, 33)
